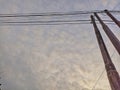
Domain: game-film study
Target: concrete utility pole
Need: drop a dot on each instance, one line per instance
(112, 17)
(110, 34)
(112, 73)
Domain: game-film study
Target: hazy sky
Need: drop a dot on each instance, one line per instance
(60, 57)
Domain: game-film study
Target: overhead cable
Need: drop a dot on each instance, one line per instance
(55, 13)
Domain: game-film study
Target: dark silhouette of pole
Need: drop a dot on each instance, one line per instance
(112, 17)
(112, 73)
(110, 34)
(0, 85)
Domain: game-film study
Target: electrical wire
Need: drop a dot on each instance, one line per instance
(55, 13)
(101, 74)
(31, 24)
(52, 21)
(98, 79)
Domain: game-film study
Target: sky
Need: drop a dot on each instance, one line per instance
(54, 57)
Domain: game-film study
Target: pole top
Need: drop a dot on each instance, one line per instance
(105, 10)
(91, 15)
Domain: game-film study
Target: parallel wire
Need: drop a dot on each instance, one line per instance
(22, 24)
(55, 13)
(30, 24)
(101, 75)
(98, 79)
(52, 22)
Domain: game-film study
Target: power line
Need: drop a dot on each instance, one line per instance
(51, 21)
(31, 24)
(98, 79)
(55, 13)
(101, 74)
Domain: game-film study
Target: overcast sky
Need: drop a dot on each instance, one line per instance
(58, 57)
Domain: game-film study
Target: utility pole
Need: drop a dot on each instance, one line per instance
(0, 84)
(112, 73)
(112, 17)
(110, 34)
